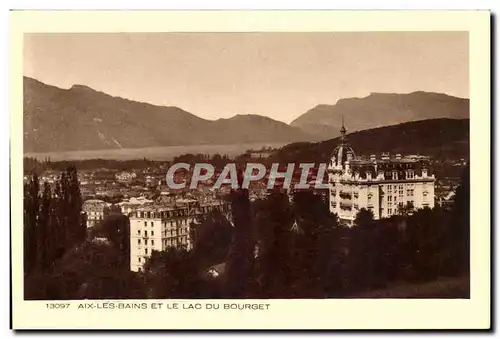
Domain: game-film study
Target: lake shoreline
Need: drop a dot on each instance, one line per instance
(162, 153)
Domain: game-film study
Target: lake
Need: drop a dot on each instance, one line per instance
(152, 153)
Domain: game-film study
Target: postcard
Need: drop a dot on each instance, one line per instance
(290, 170)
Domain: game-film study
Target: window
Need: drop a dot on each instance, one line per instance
(152, 233)
(139, 232)
(139, 259)
(145, 223)
(146, 242)
(140, 269)
(394, 175)
(389, 189)
(145, 233)
(411, 174)
(389, 211)
(152, 242)
(138, 241)
(152, 223)
(146, 250)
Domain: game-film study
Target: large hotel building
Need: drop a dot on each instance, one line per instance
(157, 227)
(380, 185)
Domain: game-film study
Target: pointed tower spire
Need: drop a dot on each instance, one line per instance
(343, 131)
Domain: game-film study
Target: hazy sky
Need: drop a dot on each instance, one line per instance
(280, 75)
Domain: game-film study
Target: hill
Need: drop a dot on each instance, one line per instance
(439, 138)
(81, 118)
(380, 109)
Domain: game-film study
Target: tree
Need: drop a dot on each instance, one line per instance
(212, 239)
(405, 210)
(364, 217)
(87, 271)
(116, 228)
(172, 274)
(31, 208)
(273, 223)
(240, 259)
(311, 246)
(424, 243)
(458, 228)
(52, 225)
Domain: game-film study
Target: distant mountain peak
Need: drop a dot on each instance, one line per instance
(82, 88)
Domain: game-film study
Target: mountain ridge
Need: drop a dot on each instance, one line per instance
(380, 109)
(81, 118)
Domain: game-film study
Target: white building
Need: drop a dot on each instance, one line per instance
(379, 185)
(125, 176)
(129, 206)
(157, 227)
(95, 211)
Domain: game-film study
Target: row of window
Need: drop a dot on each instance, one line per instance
(146, 233)
(178, 212)
(390, 198)
(166, 233)
(175, 242)
(390, 210)
(177, 223)
(145, 242)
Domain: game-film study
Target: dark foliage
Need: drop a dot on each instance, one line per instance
(438, 138)
(276, 248)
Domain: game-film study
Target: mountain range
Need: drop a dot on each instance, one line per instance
(81, 118)
(380, 109)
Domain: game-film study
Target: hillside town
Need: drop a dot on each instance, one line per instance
(161, 217)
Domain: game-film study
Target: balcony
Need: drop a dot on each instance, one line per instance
(345, 204)
(345, 195)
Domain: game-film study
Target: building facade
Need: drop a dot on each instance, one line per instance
(125, 176)
(95, 210)
(382, 185)
(156, 227)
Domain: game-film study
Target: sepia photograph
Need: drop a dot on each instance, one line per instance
(245, 166)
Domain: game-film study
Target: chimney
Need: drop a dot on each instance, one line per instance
(398, 156)
(373, 157)
(385, 156)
